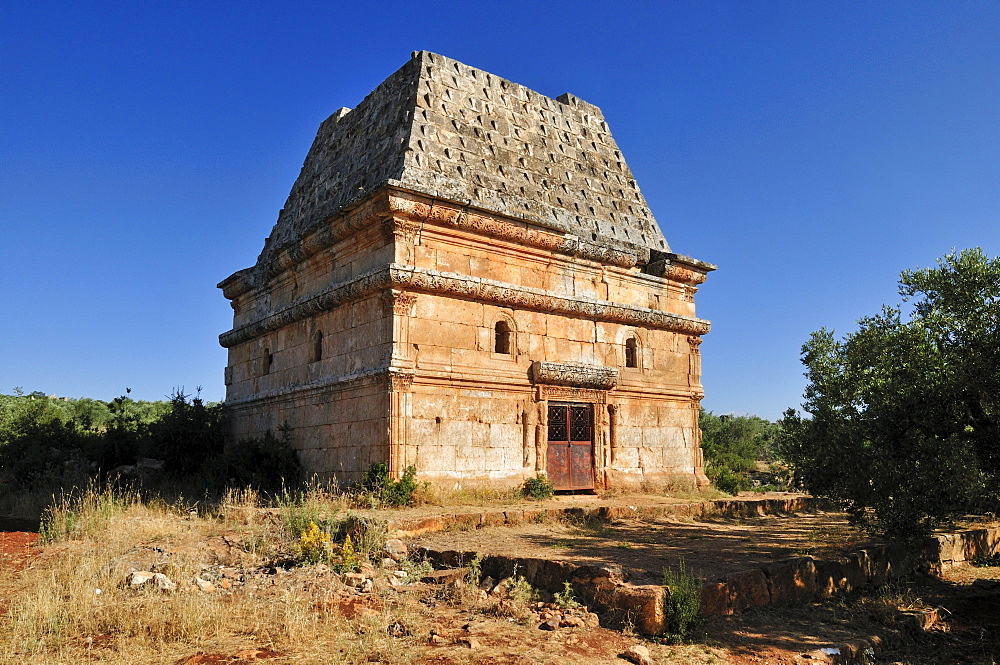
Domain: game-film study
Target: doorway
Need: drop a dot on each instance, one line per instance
(570, 459)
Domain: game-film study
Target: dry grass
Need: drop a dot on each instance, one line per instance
(74, 602)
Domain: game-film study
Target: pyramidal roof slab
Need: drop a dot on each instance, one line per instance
(449, 131)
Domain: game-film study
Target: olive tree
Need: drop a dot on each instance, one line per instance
(903, 415)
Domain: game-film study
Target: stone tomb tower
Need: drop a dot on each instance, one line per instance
(466, 278)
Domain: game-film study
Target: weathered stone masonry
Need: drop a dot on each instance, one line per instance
(466, 278)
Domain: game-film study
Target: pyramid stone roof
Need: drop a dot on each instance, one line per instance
(449, 131)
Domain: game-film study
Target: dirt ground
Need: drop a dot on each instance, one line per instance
(643, 548)
(432, 626)
(968, 633)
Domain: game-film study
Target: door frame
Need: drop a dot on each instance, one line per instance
(573, 484)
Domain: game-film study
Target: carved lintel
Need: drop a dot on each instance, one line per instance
(571, 394)
(574, 374)
(398, 302)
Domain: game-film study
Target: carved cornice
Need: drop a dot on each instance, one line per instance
(448, 214)
(574, 374)
(411, 278)
(403, 230)
(679, 268)
(413, 210)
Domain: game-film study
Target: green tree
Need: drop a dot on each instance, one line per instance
(733, 445)
(904, 414)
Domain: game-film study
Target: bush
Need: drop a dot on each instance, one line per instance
(727, 480)
(733, 445)
(49, 443)
(385, 490)
(187, 435)
(538, 488)
(682, 606)
(266, 463)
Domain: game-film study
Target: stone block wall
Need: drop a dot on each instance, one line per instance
(386, 343)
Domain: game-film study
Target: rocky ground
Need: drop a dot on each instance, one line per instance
(167, 587)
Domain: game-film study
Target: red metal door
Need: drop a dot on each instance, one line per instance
(570, 462)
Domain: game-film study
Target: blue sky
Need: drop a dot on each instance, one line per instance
(811, 150)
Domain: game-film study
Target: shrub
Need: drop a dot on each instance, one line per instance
(387, 491)
(564, 599)
(538, 488)
(190, 433)
(727, 480)
(682, 606)
(264, 463)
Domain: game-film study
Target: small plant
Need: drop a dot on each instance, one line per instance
(991, 561)
(315, 545)
(520, 590)
(314, 503)
(682, 606)
(516, 599)
(474, 571)
(538, 488)
(368, 534)
(564, 599)
(349, 557)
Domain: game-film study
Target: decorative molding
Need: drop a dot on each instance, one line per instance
(403, 230)
(399, 382)
(390, 202)
(399, 302)
(574, 374)
(464, 218)
(571, 394)
(489, 291)
(678, 268)
(342, 382)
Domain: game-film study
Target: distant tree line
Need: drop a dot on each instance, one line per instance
(49, 442)
(741, 452)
